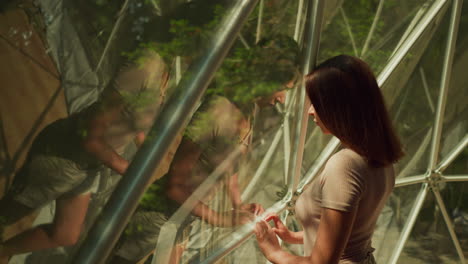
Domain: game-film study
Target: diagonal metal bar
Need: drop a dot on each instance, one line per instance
(31, 58)
(298, 20)
(455, 178)
(409, 42)
(391, 32)
(453, 154)
(385, 74)
(172, 119)
(445, 82)
(240, 236)
(168, 232)
(411, 180)
(178, 69)
(263, 165)
(258, 36)
(311, 46)
(372, 29)
(449, 223)
(116, 27)
(426, 88)
(416, 156)
(6, 166)
(286, 147)
(350, 32)
(35, 127)
(244, 42)
(319, 163)
(416, 19)
(314, 13)
(409, 223)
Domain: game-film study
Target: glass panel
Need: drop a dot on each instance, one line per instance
(429, 241)
(455, 122)
(248, 124)
(113, 64)
(399, 90)
(250, 253)
(459, 166)
(30, 98)
(247, 253)
(24, 54)
(413, 110)
(315, 143)
(392, 221)
(358, 28)
(456, 201)
(117, 62)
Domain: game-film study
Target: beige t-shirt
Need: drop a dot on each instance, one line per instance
(216, 128)
(141, 86)
(347, 182)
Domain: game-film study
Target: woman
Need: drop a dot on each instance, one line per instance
(221, 124)
(339, 210)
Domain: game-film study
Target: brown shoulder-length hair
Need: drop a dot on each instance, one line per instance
(348, 101)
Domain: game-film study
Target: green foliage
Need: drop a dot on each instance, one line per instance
(248, 74)
(141, 100)
(186, 39)
(154, 199)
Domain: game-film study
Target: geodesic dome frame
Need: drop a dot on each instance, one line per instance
(429, 181)
(430, 151)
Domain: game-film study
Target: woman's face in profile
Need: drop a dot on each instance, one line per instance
(271, 100)
(317, 120)
(276, 97)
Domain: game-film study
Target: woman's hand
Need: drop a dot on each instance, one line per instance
(235, 218)
(254, 208)
(267, 240)
(283, 232)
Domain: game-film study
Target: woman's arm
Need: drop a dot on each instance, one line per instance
(179, 188)
(179, 193)
(332, 236)
(236, 200)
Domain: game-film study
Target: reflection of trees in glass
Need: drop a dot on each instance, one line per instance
(264, 68)
(189, 28)
(275, 17)
(245, 75)
(355, 18)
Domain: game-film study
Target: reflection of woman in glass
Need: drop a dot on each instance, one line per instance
(339, 210)
(66, 156)
(221, 125)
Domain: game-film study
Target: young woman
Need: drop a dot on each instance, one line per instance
(221, 124)
(339, 209)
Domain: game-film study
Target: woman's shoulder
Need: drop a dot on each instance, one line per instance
(346, 163)
(347, 157)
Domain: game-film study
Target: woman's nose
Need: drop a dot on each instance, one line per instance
(311, 111)
(281, 98)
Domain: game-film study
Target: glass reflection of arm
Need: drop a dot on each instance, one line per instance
(139, 138)
(94, 142)
(179, 188)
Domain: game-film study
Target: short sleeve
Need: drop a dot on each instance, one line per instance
(215, 123)
(342, 183)
(141, 86)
